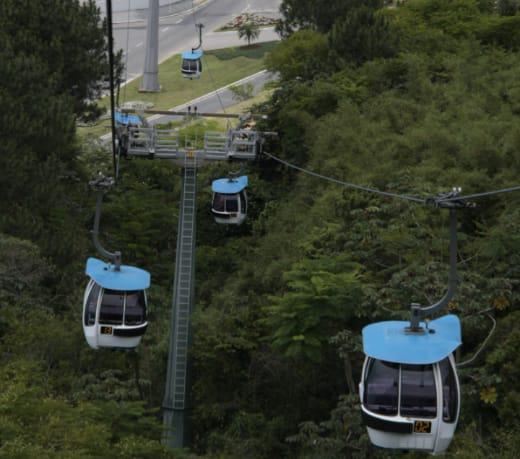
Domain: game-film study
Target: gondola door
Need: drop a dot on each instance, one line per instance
(448, 392)
(90, 313)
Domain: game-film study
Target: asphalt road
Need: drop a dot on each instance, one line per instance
(216, 101)
(177, 33)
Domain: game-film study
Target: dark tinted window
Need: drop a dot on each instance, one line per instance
(418, 395)
(449, 391)
(381, 387)
(90, 309)
(111, 311)
(232, 204)
(190, 65)
(219, 202)
(135, 310)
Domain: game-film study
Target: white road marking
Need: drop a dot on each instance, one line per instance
(165, 29)
(139, 44)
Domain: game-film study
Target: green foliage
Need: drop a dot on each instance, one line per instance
(248, 30)
(500, 31)
(67, 38)
(51, 61)
(242, 92)
(22, 269)
(340, 436)
(249, 435)
(36, 422)
(362, 35)
(508, 7)
(323, 294)
(302, 55)
(318, 14)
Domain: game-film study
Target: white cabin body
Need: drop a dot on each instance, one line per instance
(410, 392)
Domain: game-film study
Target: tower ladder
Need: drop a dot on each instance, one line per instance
(175, 391)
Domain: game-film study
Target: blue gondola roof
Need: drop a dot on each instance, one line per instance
(128, 278)
(192, 55)
(229, 186)
(127, 118)
(388, 341)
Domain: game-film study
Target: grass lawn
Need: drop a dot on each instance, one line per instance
(219, 68)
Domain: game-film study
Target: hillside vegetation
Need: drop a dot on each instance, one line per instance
(415, 99)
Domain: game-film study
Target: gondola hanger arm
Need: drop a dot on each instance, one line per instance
(101, 184)
(418, 312)
(200, 26)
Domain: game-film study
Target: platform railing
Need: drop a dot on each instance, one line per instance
(165, 143)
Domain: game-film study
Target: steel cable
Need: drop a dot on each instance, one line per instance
(126, 51)
(347, 184)
(206, 63)
(111, 75)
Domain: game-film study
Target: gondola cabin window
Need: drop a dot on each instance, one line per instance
(225, 203)
(232, 204)
(382, 387)
(92, 301)
(135, 311)
(418, 393)
(112, 307)
(392, 388)
(191, 65)
(450, 400)
(219, 202)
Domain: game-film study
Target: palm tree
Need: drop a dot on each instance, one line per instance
(249, 30)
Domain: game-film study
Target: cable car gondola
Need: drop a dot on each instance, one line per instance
(409, 390)
(115, 305)
(127, 119)
(229, 205)
(191, 65)
(126, 123)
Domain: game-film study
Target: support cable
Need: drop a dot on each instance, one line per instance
(206, 62)
(111, 74)
(439, 202)
(214, 84)
(347, 184)
(126, 51)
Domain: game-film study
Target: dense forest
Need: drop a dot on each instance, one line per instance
(414, 97)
